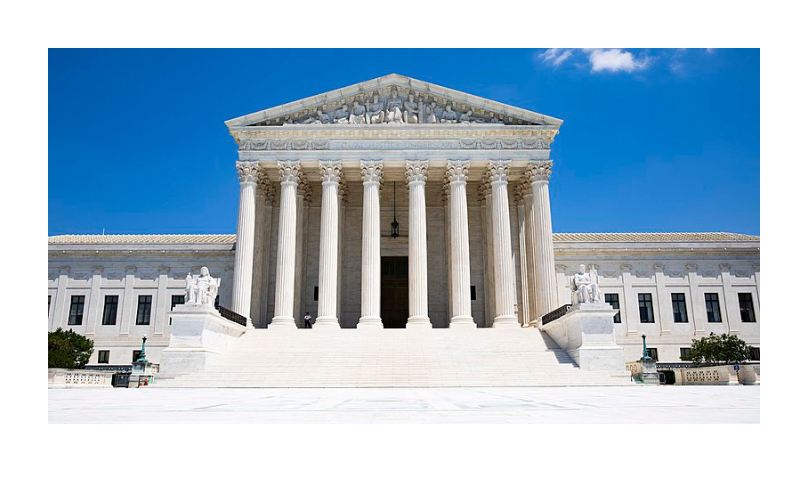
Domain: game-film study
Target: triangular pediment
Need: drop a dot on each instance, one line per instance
(429, 105)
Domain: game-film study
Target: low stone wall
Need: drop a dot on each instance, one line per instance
(719, 375)
(67, 378)
(586, 333)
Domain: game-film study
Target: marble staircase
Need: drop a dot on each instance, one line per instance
(393, 358)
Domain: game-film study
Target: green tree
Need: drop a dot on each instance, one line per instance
(717, 349)
(67, 349)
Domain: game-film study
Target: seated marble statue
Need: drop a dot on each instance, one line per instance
(394, 112)
(358, 114)
(375, 113)
(466, 117)
(449, 116)
(429, 113)
(341, 115)
(411, 110)
(320, 118)
(203, 289)
(584, 287)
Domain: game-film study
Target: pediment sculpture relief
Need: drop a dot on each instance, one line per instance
(392, 109)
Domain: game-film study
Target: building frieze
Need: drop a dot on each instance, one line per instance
(538, 143)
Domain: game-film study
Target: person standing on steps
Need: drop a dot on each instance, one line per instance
(307, 320)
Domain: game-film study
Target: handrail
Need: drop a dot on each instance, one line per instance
(555, 314)
(232, 316)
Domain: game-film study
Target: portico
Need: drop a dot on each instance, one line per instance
(446, 152)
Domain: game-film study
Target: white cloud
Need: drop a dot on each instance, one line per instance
(615, 60)
(555, 56)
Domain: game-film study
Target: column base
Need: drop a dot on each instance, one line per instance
(505, 321)
(369, 322)
(283, 322)
(327, 323)
(419, 321)
(462, 321)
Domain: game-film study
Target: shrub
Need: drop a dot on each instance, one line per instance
(67, 349)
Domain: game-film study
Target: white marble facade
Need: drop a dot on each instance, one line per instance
(472, 200)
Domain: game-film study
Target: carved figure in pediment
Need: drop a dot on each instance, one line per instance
(429, 113)
(288, 120)
(411, 112)
(493, 119)
(375, 113)
(394, 112)
(341, 115)
(321, 117)
(358, 114)
(466, 117)
(449, 116)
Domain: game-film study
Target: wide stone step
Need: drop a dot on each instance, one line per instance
(389, 358)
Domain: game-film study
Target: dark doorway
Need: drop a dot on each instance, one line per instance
(394, 291)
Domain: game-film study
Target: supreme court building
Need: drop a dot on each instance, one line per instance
(396, 203)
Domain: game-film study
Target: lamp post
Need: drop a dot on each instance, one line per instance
(142, 356)
(645, 356)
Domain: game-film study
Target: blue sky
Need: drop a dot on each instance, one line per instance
(652, 140)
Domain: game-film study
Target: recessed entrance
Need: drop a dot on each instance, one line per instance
(394, 291)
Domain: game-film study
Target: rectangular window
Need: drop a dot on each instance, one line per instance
(755, 353)
(136, 354)
(76, 310)
(646, 308)
(685, 351)
(177, 300)
(473, 292)
(746, 307)
(143, 310)
(653, 353)
(613, 300)
(102, 356)
(110, 310)
(712, 308)
(679, 308)
(316, 294)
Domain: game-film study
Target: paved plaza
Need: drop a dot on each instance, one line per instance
(635, 404)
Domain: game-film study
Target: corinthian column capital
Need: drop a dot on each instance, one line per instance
(372, 171)
(497, 171)
(265, 188)
(539, 171)
(457, 171)
(416, 171)
(330, 171)
(289, 171)
(247, 172)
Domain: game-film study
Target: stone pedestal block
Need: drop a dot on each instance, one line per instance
(586, 333)
(199, 334)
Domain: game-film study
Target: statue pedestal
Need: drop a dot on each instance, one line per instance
(586, 333)
(198, 335)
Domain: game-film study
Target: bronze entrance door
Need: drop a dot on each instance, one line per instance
(394, 291)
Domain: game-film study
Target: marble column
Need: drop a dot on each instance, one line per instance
(372, 177)
(524, 247)
(530, 248)
(544, 268)
(456, 177)
(162, 303)
(289, 173)
(265, 199)
(245, 233)
(416, 176)
(331, 173)
(501, 235)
